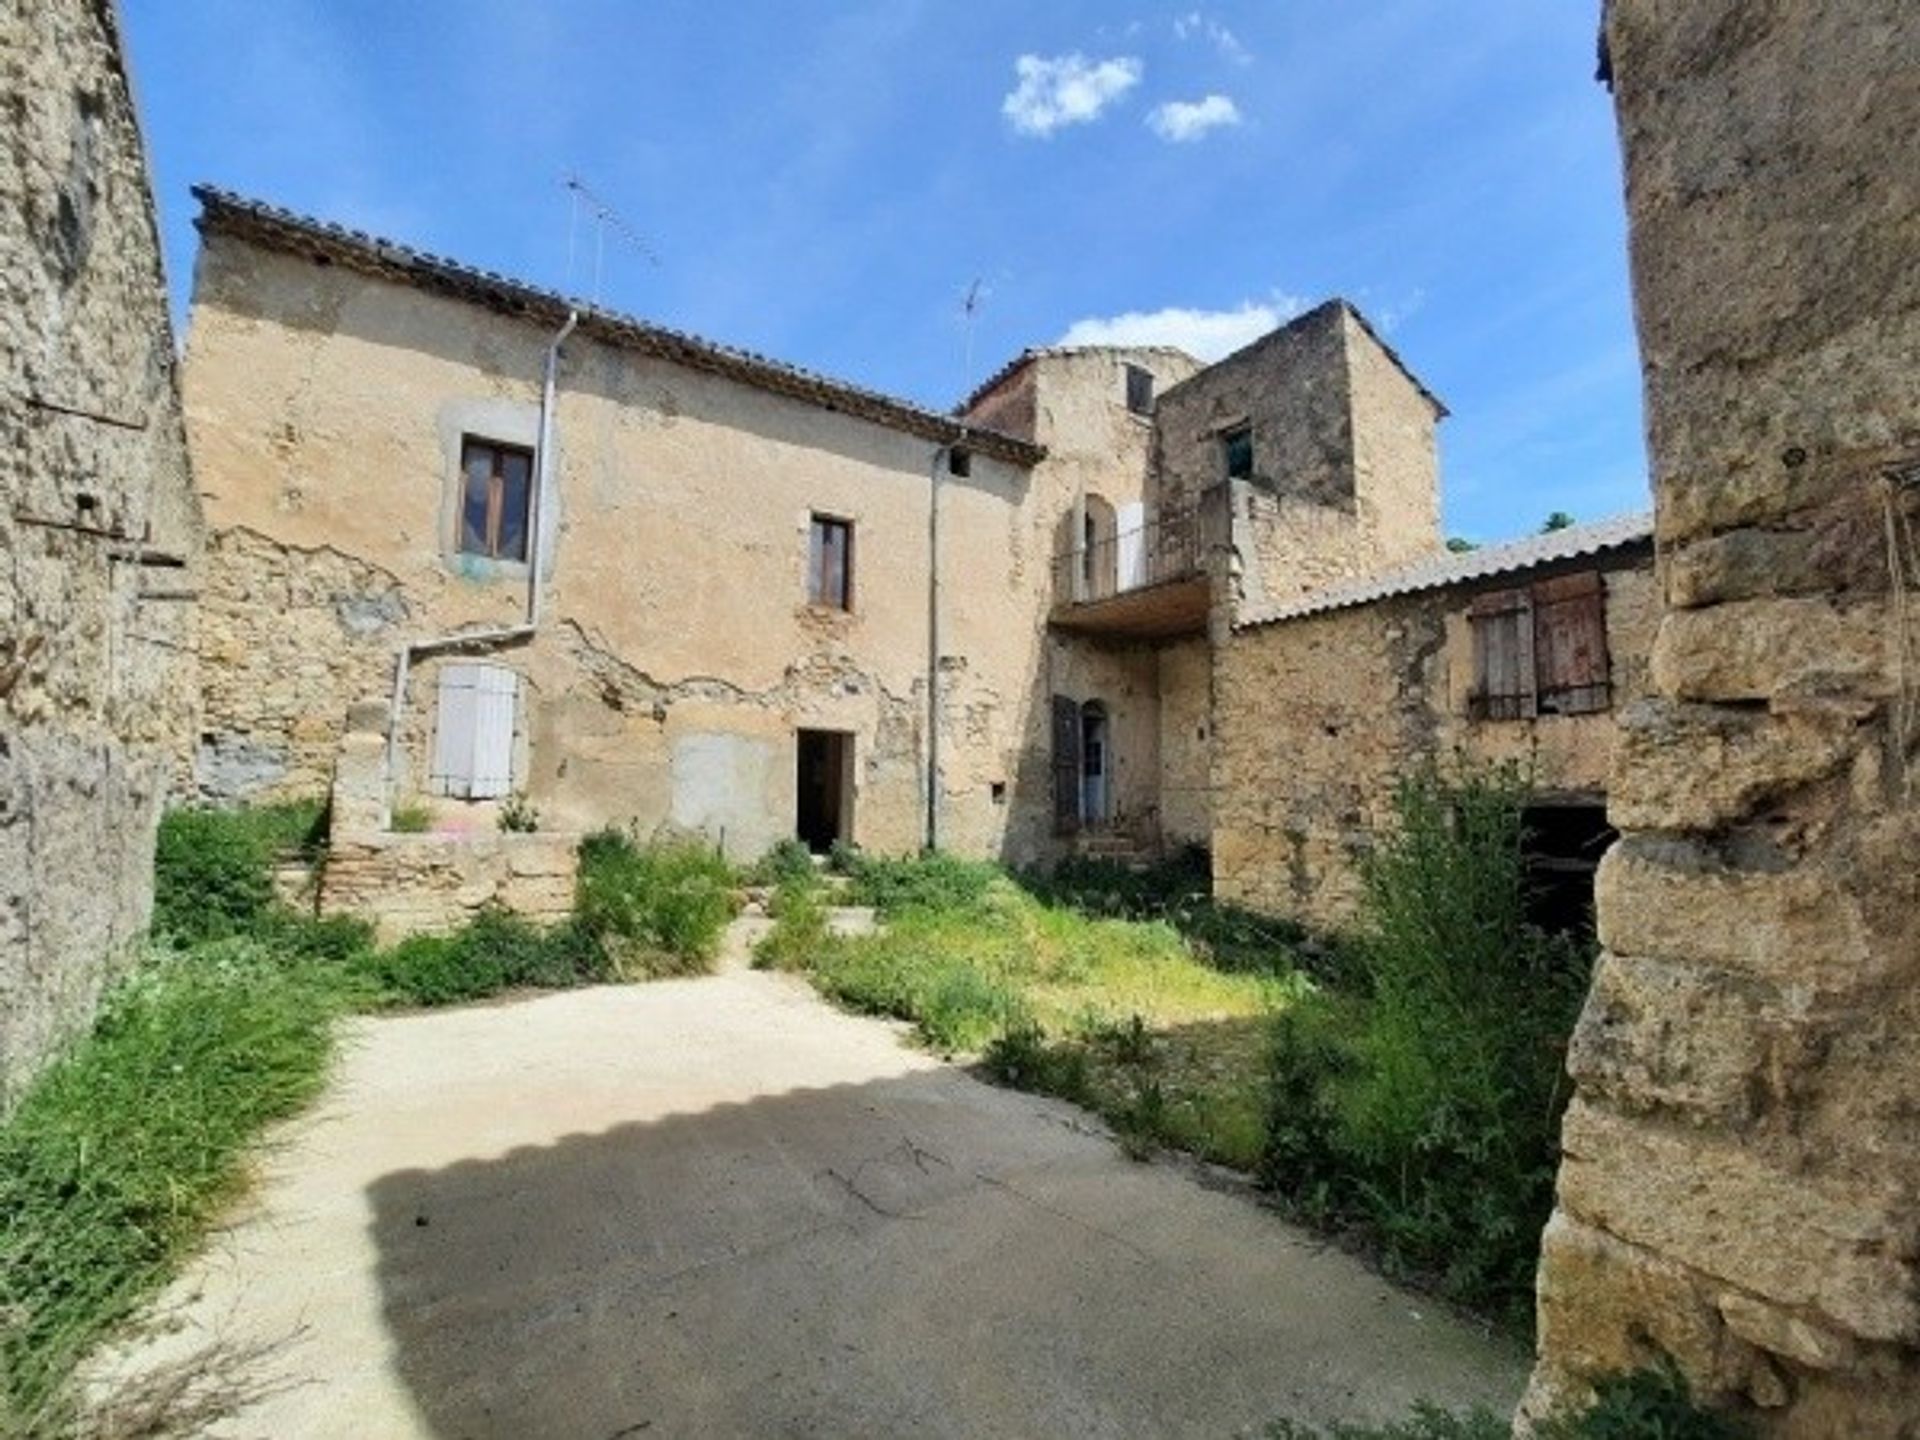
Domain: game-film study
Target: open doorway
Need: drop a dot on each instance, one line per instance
(1565, 839)
(1094, 764)
(825, 789)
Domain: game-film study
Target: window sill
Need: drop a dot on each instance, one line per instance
(483, 568)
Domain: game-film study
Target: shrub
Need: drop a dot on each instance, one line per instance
(1428, 1422)
(1022, 1056)
(213, 869)
(1428, 1112)
(495, 951)
(410, 820)
(936, 882)
(656, 909)
(787, 860)
(120, 1153)
(1651, 1404)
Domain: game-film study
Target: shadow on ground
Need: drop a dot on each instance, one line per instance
(917, 1255)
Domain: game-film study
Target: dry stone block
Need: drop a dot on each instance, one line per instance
(1801, 1240)
(1675, 900)
(1679, 1038)
(1694, 767)
(1765, 649)
(1806, 1342)
(1837, 550)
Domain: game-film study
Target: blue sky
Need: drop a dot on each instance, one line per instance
(823, 182)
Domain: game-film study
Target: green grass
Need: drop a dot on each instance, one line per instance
(1125, 1016)
(119, 1155)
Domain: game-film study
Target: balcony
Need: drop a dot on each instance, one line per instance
(1138, 580)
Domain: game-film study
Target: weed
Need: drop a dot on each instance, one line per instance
(120, 1153)
(1022, 1056)
(655, 909)
(410, 820)
(1141, 1120)
(517, 816)
(1428, 1422)
(1427, 1110)
(494, 952)
(1648, 1404)
(935, 882)
(800, 931)
(785, 861)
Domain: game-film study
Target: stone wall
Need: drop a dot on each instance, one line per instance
(433, 884)
(1316, 718)
(99, 528)
(1742, 1170)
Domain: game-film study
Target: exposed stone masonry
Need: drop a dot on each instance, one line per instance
(1742, 1162)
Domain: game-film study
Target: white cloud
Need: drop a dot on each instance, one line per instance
(1183, 120)
(1203, 334)
(1194, 24)
(1066, 90)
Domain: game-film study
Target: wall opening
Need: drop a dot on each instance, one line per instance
(1096, 764)
(825, 789)
(1564, 842)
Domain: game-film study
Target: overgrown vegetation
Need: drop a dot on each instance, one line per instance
(120, 1154)
(1425, 1113)
(653, 909)
(1125, 1016)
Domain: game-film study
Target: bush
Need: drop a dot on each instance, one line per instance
(494, 952)
(410, 820)
(120, 1154)
(657, 909)
(1653, 1404)
(799, 934)
(936, 882)
(787, 860)
(1428, 1112)
(213, 869)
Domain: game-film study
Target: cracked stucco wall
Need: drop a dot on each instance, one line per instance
(1741, 1168)
(679, 655)
(99, 528)
(1301, 785)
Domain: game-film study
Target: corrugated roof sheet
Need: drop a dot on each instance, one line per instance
(224, 212)
(1573, 543)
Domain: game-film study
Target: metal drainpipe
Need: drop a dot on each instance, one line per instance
(933, 646)
(484, 639)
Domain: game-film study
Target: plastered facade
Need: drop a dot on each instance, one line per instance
(1318, 717)
(99, 529)
(1741, 1170)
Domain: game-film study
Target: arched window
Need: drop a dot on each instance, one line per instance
(1099, 550)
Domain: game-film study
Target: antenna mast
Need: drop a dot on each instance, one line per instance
(970, 307)
(605, 217)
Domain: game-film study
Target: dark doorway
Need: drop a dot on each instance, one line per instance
(1564, 842)
(825, 789)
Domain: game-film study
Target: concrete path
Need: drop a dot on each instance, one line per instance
(717, 1207)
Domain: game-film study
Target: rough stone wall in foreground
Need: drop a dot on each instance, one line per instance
(1742, 1162)
(99, 527)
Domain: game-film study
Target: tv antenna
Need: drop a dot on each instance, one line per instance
(604, 218)
(969, 309)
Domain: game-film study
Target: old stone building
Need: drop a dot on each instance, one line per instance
(1523, 653)
(99, 528)
(635, 577)
(1742, 1166)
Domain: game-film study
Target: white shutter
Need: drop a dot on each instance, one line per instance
(1131, 523)
(473, 732)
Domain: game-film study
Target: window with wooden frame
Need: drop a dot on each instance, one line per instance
(830, 563)
(496, 497)
(1541, 649)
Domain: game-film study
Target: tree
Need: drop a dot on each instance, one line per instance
(1558, 520)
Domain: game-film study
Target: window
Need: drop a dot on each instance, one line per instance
(1541, 649)
(1237, 446)
(830, 563)
(1139, 390)
(960, 462)
(473, 731)
(496, 489)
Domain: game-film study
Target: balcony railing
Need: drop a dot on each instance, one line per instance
(1146, 580)
(1132, 558)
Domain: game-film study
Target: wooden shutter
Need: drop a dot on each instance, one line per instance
(1503, 660)
(1066, 765)
(473, 731)
(1570, 644)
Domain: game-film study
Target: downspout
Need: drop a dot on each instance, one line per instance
(940, 454)
(490, 639)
